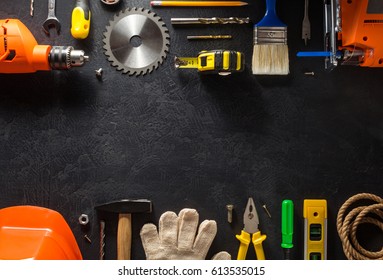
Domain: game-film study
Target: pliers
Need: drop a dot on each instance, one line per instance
(251, 222)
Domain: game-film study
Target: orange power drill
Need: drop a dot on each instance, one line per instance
(20, 53)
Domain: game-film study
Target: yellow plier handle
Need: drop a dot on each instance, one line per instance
(244, 240)
(257, 240)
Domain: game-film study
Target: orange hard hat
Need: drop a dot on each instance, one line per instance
(31, 232)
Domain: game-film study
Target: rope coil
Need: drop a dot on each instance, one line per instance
(347, 225)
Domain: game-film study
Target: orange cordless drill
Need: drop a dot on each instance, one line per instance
(20, 53)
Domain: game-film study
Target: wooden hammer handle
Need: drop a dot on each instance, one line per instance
(124, 236)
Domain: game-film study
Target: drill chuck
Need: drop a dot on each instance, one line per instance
(20, 52)
(65, 57)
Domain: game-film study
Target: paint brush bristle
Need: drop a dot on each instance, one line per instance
(270, 60)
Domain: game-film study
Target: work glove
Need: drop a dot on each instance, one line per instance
(177, 240)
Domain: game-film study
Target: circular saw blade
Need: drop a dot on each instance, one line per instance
(136, 41)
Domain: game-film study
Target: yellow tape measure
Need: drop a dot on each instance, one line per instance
(222, 62)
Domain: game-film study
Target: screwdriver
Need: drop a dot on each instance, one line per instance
(80, 19)
(287, 227)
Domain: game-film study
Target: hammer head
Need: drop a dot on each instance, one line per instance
(125, 206)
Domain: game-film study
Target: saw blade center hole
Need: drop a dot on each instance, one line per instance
(135, 41)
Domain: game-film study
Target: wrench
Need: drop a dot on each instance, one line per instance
(51, 20)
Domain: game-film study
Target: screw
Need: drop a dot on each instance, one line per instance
(309, 73)
(230, 208)
(99, 73)
(267, 210)
(87, 238)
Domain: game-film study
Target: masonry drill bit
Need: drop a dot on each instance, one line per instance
(213, 20)
(102, 240)
(207, 37)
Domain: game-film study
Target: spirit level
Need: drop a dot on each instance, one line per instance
(315, 215)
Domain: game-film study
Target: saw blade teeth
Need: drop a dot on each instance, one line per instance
(159, 51)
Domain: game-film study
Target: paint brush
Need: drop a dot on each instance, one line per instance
(270, 51)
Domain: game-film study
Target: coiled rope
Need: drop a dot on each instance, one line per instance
(347, 225)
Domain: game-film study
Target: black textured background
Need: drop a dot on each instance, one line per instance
(69, 142)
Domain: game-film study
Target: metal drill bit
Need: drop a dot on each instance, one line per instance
(32, 7)
(213, 20)
(102, 239)
(204, 37)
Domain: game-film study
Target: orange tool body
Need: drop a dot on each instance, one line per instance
(20, 53)
(362, 30)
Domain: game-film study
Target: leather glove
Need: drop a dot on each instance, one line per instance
(176, 238)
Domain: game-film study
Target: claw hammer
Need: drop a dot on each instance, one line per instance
(125, 208)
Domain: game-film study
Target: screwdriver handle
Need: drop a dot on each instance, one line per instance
(287, 225)
(81, 19)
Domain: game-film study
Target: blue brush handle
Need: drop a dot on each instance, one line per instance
(270, 18)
